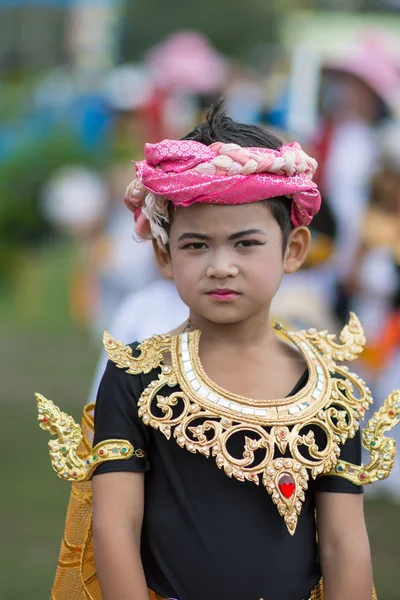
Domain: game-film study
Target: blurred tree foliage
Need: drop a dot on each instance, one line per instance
(233, 26)
(21, 180)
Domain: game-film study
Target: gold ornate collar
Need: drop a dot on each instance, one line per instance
(203, 417)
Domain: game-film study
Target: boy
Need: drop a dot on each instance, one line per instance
(173, 522)
(227, 209)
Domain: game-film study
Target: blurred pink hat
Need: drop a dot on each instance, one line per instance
(186, 61)
(372, 62)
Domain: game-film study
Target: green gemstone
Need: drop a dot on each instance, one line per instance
(373, 443)
(63, 450)
(95, 457)
(124, 450)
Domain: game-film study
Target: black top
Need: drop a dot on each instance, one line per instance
(205, 535)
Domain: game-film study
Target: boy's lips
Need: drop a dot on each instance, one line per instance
(223, 294)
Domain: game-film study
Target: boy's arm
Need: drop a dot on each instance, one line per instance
(118, 500)
(344, 547)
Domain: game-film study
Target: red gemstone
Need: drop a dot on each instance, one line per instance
(75, 474)
(391, 413)
(45, 419)
(282, 434)
(101, 452)
(286, 485)
(109, 342)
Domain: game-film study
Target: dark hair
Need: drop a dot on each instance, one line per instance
(218, 127)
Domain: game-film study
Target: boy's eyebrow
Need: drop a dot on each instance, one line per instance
(191, 235)
(234, 236)
(240, 234)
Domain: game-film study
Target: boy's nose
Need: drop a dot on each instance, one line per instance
(221, 269)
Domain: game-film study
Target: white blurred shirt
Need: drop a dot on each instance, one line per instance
(352, 160)
(157, 308)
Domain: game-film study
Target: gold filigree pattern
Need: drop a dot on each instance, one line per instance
(65, 460)
(381, 448)
(278, 440)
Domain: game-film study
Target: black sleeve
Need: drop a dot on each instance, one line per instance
(116, 417)
(350, 452)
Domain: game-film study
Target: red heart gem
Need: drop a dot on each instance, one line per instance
(287, 489)
(286, 485)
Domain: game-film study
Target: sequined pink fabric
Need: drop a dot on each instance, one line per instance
(187, 171)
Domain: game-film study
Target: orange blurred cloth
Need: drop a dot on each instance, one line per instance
(376, 355)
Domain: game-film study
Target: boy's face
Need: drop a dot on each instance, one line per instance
(227, 261)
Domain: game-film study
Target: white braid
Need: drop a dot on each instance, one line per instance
(155, 208)
(286, 162)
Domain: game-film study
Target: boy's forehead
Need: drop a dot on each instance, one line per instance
(218, 218)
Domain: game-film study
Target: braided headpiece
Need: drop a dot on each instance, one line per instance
(185, 172)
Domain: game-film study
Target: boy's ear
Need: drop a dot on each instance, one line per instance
(297, 249)
(163, 260)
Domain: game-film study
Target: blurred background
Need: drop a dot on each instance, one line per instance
(83, 84)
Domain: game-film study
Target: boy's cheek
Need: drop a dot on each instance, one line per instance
(267, 282)
(185, 282)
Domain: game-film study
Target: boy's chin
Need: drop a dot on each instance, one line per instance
(224, 317)
(228, 321)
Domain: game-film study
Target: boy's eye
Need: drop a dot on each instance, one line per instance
(248, 243)
(195, 246)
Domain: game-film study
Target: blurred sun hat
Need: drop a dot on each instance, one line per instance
(186, 61)
(371, 61)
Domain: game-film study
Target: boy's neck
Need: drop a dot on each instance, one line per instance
(255, 330)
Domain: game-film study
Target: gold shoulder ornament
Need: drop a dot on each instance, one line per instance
(72, 464)
(279, 446)
(151, 354)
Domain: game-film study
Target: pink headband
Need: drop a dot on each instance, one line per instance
(185, 172)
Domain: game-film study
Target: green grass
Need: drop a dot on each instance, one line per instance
(383, 522)
(33, 500)
(37, 294)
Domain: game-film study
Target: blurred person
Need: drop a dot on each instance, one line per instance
(108, 264)
(155, 307)
(227, 208)
(126, 265)
(373, 284)
(74, 201)
(373, 280)
(358, 91)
